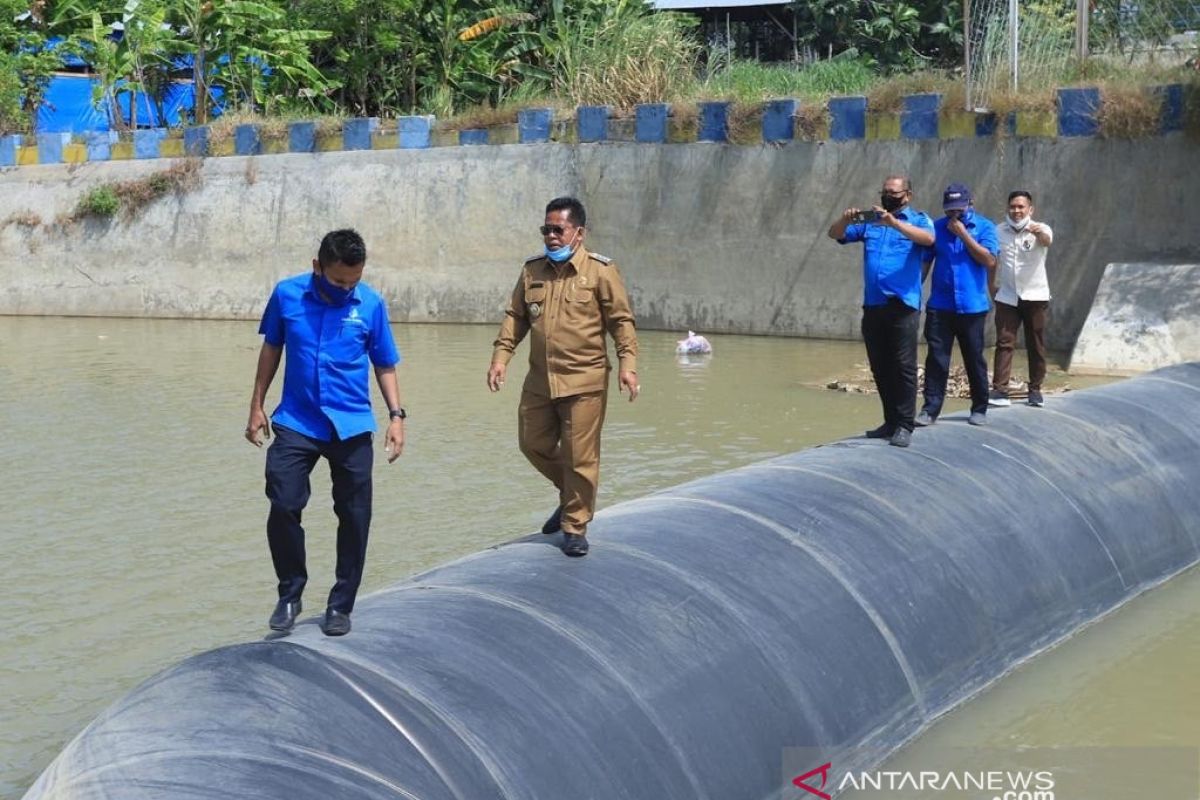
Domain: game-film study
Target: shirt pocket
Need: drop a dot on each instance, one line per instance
(535, 300)
(350, 344)
(579, 292)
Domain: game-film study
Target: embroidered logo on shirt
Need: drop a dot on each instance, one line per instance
(535, 310)
(353, 318)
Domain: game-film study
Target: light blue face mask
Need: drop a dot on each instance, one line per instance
(557, 255)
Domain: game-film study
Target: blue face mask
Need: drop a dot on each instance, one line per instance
(558, 255)
(336, 295)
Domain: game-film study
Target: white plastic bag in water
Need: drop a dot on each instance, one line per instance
(694, 344)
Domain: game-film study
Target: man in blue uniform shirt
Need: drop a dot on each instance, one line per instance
(894, 240)
(964, 256)
(332, 326)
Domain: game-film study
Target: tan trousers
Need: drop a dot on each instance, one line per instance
(561, 438)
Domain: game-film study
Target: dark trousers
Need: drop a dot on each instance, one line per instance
(1032, 314)
(941, 329)
(890, 334)
(290, 462)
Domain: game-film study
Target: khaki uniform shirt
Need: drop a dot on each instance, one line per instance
(567, 310)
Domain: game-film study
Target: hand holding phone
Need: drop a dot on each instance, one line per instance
(867, 215)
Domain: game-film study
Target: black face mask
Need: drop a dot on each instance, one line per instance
(890, 202)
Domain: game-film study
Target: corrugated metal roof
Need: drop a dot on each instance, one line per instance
(685, 5)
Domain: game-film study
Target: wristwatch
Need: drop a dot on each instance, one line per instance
(398, 413)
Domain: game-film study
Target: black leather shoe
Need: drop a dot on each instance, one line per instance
(884, 431)
(575, 544)
(336, 623)
(554, 524)
(284, 616)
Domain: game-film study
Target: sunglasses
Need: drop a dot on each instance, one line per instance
(546, 230)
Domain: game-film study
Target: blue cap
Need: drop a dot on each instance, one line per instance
(956, 197)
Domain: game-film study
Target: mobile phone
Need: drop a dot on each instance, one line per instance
(869, 215)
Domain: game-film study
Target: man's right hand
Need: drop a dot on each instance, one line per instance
(256, 425)
(495, 376)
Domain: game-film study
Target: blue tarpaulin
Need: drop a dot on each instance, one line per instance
(68, 106)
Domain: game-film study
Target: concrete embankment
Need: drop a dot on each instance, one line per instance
(717, 238)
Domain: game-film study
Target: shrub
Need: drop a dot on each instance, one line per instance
(101, 201)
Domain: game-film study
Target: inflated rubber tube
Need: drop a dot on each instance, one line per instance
(839, 598)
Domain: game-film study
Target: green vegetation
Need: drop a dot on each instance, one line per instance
(100, 201)
(129, 198)
(476, 61)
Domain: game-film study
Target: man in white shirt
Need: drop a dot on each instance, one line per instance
(1022, 296)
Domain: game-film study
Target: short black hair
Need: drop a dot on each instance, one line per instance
(574, 209)
(1020, 193)
(344, 246)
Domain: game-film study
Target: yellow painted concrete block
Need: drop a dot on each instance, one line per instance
(221, 148)
(27, 156)
(329, 142)
(75, 154)
(1037, 123)
(274, 146)
(956, 124)
(883, 125)
(121, 151)
(170, 148)
(385, 141)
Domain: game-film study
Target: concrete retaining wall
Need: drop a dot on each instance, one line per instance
(713, 237)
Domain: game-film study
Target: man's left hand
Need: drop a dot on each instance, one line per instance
(957, 227)
(394, 440)
(629, 380)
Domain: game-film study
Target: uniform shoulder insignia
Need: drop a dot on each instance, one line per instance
(600, 258)
(535, 257)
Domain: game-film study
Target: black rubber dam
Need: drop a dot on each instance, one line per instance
(838, 598)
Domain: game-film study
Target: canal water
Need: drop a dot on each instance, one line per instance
(132, 512)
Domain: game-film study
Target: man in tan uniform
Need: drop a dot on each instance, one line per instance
(568, 298)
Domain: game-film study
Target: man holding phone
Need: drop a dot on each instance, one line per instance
(894, 236)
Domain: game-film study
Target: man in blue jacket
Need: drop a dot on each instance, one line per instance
(333, 327)
(964, 256)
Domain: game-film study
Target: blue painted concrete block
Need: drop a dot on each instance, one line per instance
(99, 145)
(356, 133)
(146, 143)
(650, 124)
(195, 141)
(50, 147)
(847, 118)
(302, 137)
(1171, 117)
(473, 136)
(246, 141)
(533, 125)
(415, 133)
(1077, 112)
(592, 123)
(779, 121)
(714, 122)
(919, 116)
(8, 149)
